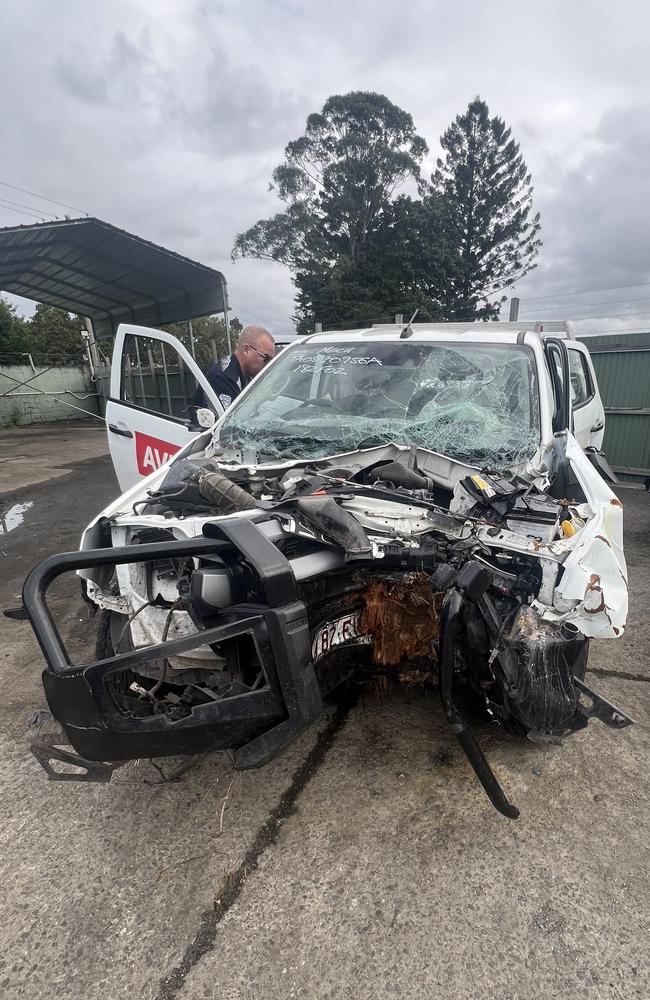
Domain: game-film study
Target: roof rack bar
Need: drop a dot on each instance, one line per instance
(538, 326)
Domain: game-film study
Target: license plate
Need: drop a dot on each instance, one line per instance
(335, 634)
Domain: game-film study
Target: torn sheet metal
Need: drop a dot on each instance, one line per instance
(592, 590)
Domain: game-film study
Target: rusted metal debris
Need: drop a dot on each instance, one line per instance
(402, 616)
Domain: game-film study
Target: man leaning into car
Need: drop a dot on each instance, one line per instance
(255, 347)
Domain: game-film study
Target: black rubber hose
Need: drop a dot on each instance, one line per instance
(224, 495)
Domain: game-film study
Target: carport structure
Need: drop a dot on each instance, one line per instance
(107, 275)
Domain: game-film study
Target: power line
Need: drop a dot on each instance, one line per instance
(577, 313)
(580, 316)
(573, 311)
(256, 319)
(580, 305)
(590, 304)
(43, 197)
(21, 211)
(588, 319)
(30, 208)
(528, 315)
(245, 312)
(585, 291)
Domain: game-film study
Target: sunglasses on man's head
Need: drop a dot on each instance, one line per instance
(265, 357)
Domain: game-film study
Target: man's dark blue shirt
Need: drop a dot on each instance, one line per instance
(227, 383)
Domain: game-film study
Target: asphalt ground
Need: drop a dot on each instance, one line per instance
(365, 863)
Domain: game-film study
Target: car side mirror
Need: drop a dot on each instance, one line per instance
(205, 418)
(200, 418)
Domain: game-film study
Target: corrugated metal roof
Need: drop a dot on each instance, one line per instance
(92, 268)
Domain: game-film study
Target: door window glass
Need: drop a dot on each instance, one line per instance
(581, 389)
(155, 378)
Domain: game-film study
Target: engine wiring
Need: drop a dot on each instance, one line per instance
(118, 644)
(165, 667)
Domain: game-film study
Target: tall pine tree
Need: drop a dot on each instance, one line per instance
(486, 191)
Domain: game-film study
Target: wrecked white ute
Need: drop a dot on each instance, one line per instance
(418, 506)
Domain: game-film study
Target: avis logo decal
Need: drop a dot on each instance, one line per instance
(151, 452)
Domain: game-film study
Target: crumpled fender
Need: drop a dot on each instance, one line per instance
(592, 591)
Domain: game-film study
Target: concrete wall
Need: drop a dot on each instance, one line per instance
(26, 405)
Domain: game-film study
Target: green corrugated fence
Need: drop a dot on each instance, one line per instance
(622, 363)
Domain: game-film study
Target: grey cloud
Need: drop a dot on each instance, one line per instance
(235, 109)
(219, 108)
(596, 222)
(171, 120)
(116, 78)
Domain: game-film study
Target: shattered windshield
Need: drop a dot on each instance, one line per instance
(473, 402)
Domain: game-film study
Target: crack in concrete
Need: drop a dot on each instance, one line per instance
(266, 836)
(624, 675)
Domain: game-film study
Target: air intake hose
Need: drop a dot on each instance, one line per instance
(224, 495)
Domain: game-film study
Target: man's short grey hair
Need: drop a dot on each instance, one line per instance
(253, 335)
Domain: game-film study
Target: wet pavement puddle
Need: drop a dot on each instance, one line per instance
(14, 516)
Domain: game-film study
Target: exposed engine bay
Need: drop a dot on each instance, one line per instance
(255, 591)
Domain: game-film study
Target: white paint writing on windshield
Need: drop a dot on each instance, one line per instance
(330, 364)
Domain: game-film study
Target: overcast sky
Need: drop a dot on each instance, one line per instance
(166, 118)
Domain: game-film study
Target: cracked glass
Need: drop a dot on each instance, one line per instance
(473, 402)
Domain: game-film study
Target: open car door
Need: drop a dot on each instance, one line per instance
(587, 410)
(149, 415)
(578, 405)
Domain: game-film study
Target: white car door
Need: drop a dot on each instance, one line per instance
(153, 382)
(588, 412)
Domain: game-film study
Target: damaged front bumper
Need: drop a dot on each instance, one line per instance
(257, 724)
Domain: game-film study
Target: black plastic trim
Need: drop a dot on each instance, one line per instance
(561, 391)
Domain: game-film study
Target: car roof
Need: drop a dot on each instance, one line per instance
(476, 333)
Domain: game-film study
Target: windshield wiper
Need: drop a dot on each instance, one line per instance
(294, 445)
(372, 441)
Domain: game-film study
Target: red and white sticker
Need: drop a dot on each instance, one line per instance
(151, 452)
(335, 634)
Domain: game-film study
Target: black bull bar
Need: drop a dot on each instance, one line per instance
(261, 723)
